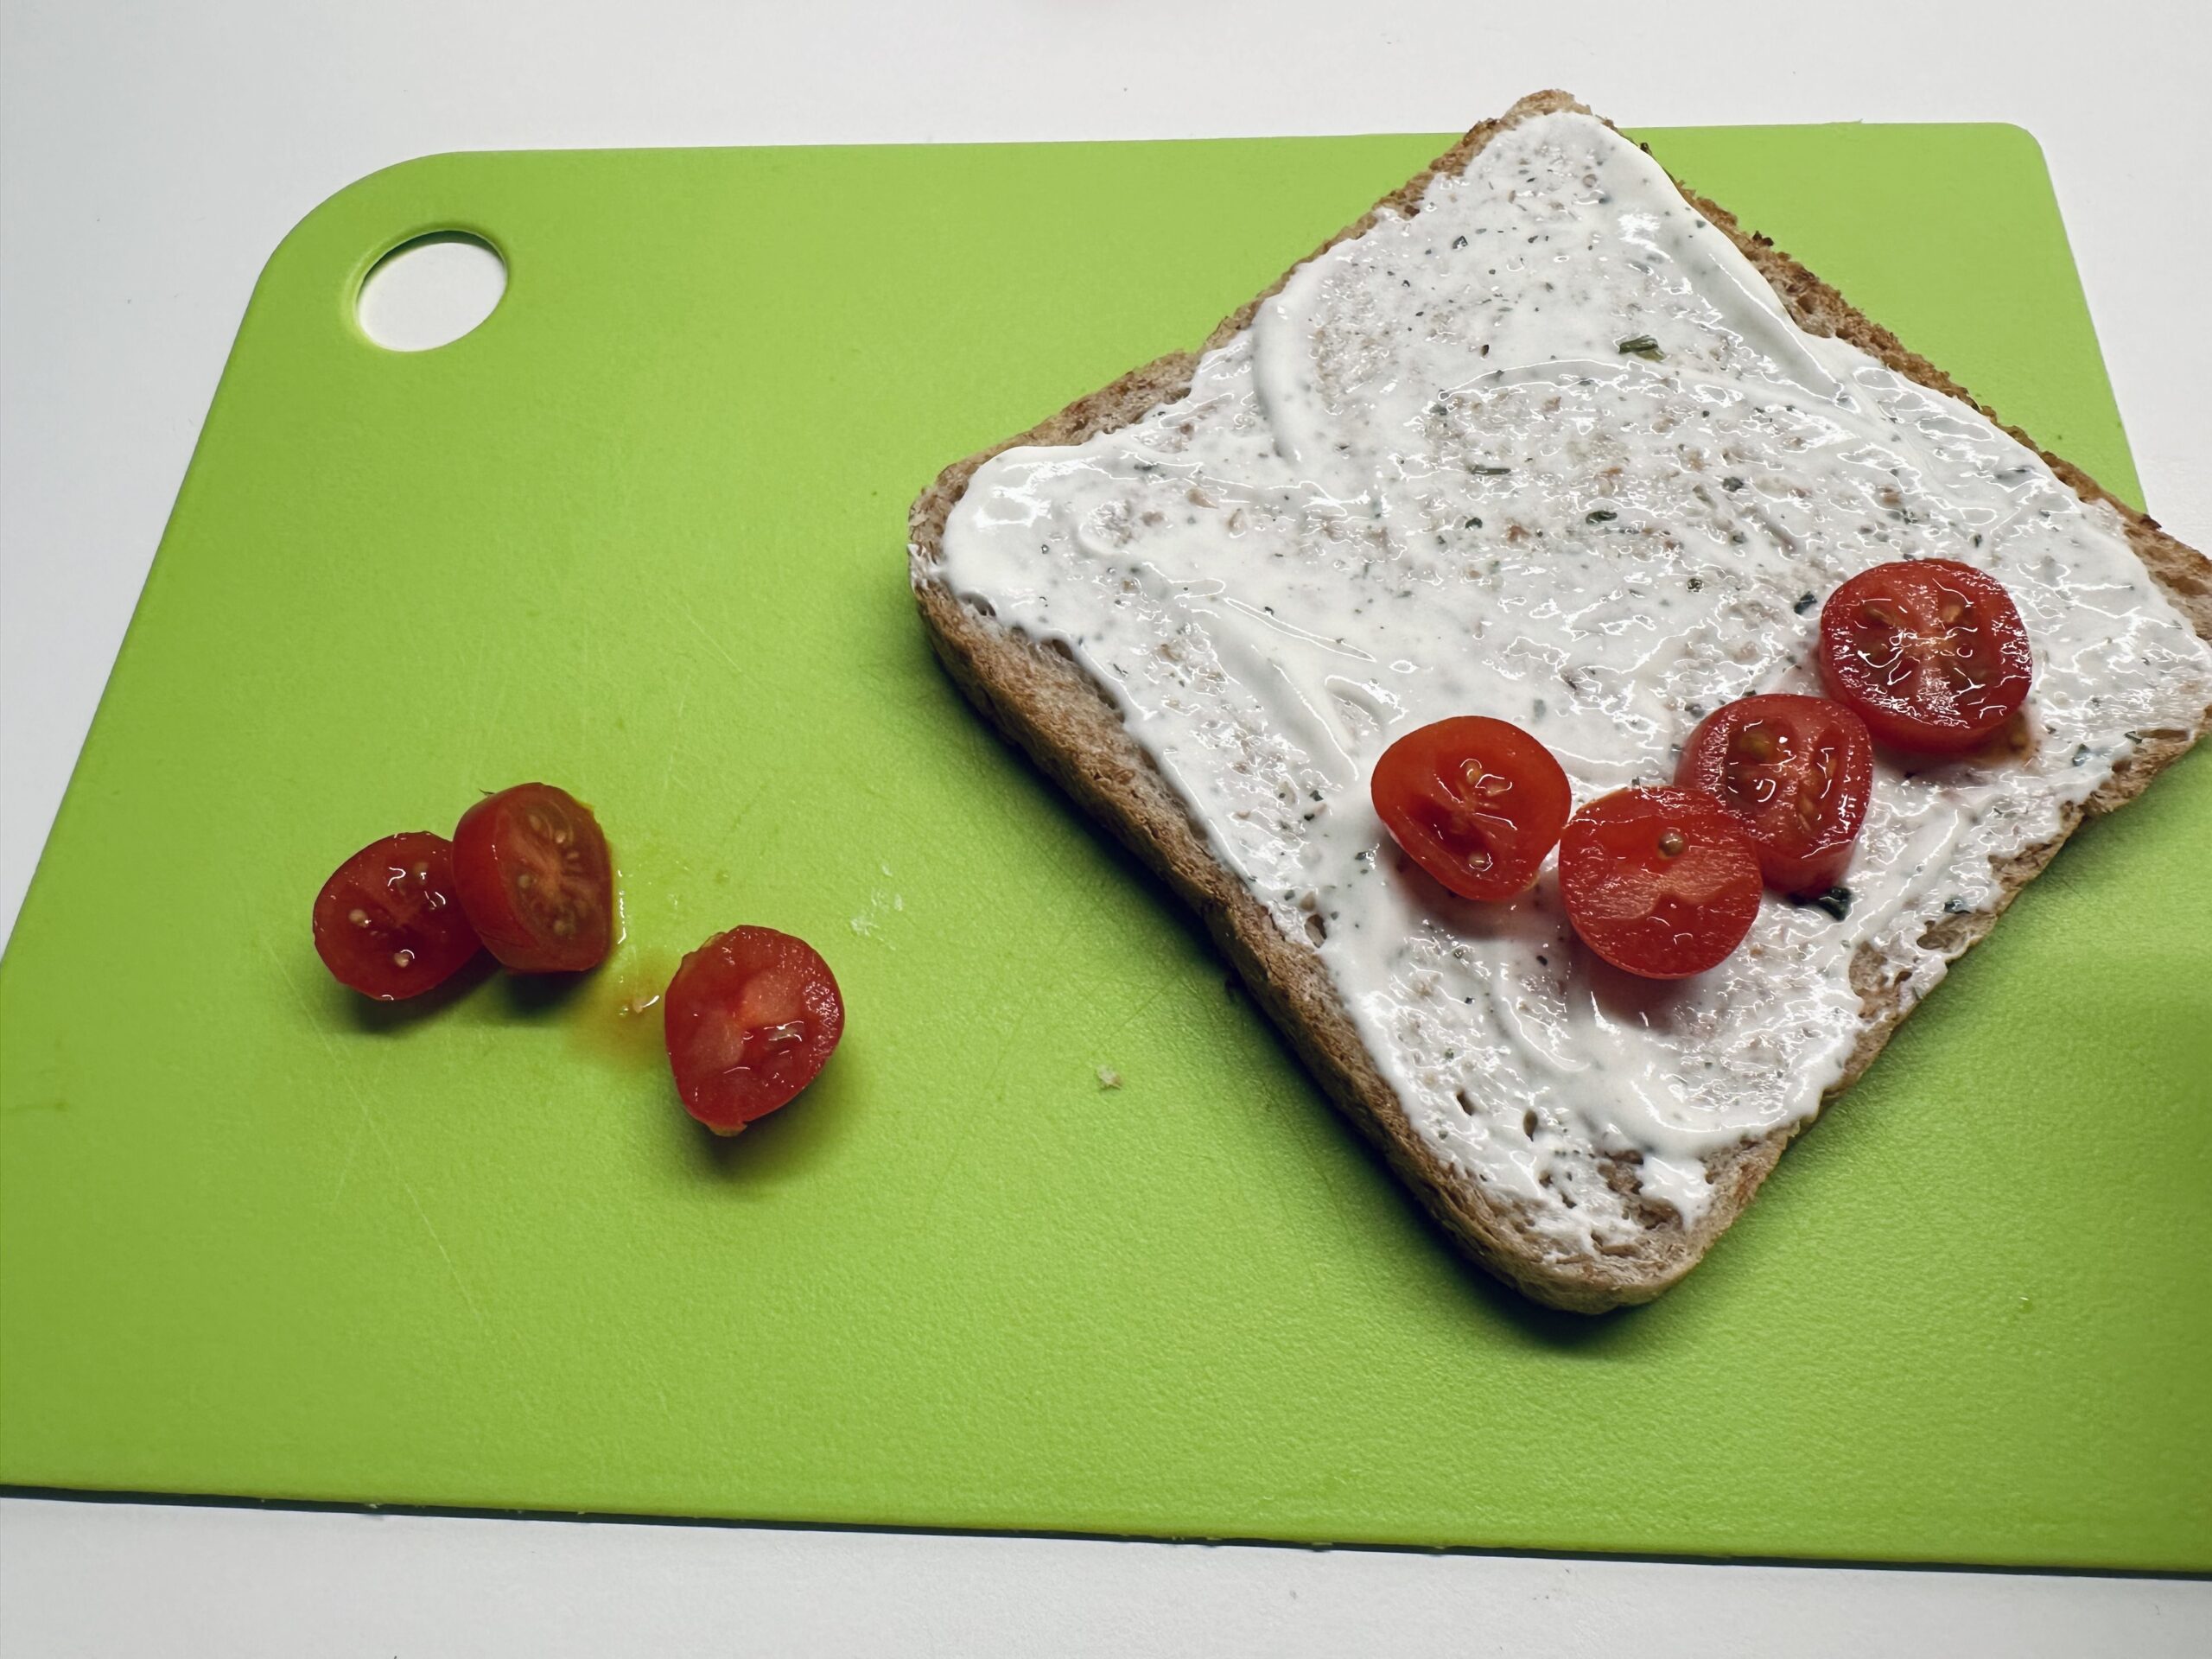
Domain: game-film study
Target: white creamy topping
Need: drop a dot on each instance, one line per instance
(1429, 481)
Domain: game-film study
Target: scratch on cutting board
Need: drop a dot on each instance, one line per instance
(991, 1087)
(675, 732)
(943, 1174)
(391, 1162)
(444, 1255)
(352, 1150)
(369, 1124)
(712, 643)
(1143, 1007)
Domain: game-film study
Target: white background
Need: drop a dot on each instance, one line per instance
(152, 155)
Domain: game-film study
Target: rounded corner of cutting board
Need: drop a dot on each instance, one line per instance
(361, 221)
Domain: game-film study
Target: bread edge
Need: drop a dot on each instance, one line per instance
(1066, 723)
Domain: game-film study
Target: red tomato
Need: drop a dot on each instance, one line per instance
(387, 923)
(1661, 882)
(1795, 772)
(1476, 801)
(532, 872)
(1930, 654)
(750, 1018)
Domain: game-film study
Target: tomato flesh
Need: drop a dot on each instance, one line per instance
(1477, 803)
(1930, 653)
(1796, 773)
(1660, 882)
(387, 923)
(532, 872)
(750, 1018)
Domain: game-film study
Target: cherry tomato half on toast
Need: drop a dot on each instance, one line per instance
(1931, 654)
(1478, 802)
(387, 922)
(1796, 773)
(750, 1018)
(1661, 882)
(534, 876)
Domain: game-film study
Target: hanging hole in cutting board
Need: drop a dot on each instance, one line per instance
(430, 291)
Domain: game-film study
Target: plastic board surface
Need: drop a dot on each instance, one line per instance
(642, 534)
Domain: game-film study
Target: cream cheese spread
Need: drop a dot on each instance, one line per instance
(1550, 449)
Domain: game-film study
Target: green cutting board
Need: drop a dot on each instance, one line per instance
(642, 533)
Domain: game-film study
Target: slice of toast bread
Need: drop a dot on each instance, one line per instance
(1044, 702)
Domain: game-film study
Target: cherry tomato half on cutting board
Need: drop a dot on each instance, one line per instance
(387, 923)
(1661, 882)
(751, 1018)
(533, 873)
(1478, 802)
(1796, 773)
(1931, 654)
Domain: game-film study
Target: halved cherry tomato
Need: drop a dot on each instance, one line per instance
(1476, 801)
(1661, 882)
(387, 923)
(1931, 654)
(532, 872)
(750, 1018)
(1795, 772)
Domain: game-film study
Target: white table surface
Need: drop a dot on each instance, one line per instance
(151, 156)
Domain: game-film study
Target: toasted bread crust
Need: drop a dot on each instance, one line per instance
(1043, 701)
